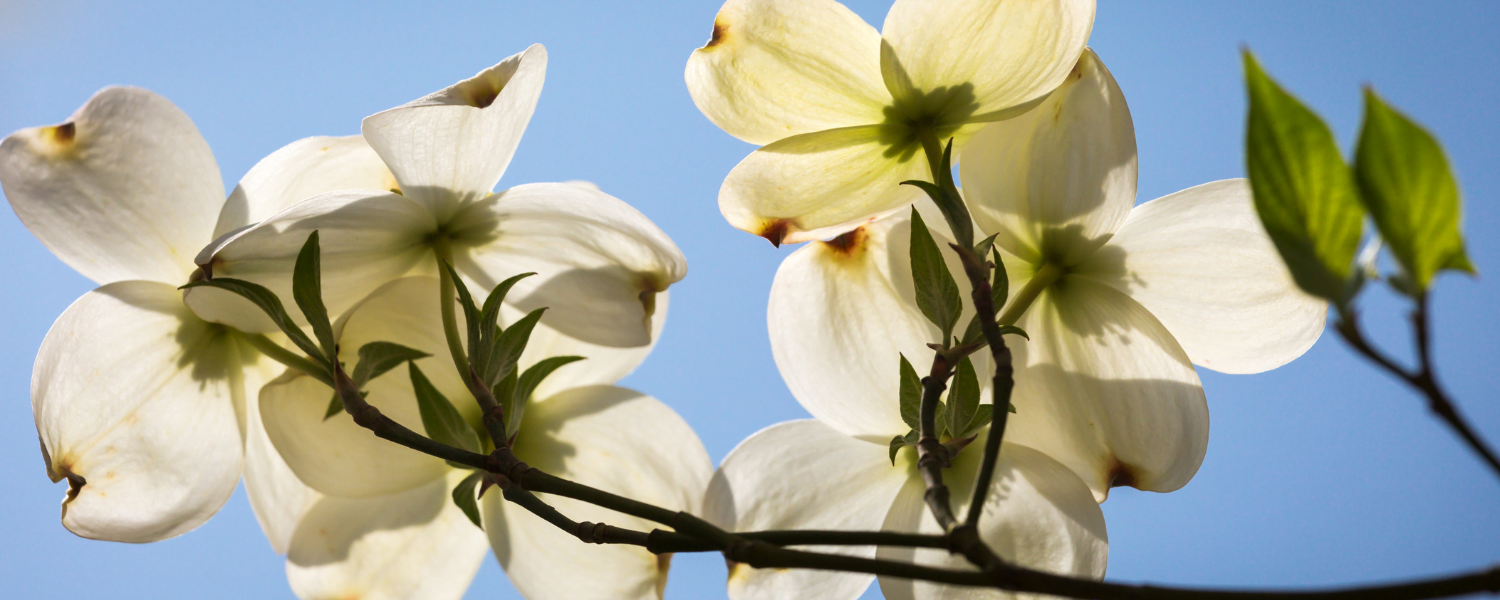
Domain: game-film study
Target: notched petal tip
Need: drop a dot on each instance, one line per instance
(717, 37)
(57, 141)
(1122, 475)
(848, 245)
(776, 231)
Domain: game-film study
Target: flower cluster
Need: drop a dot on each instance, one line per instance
(183, 371)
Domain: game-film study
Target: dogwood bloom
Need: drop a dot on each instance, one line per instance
(841, 110)
(139, 402)
(383, 524)
(1119, 303)
(601, 263)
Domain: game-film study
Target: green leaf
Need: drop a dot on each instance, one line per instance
(505, 394)
(439, 417)
(307, 290)
(1304, 192)
(981, 417)
(267, 301)
(376, 358)
(467, 499)
(899, 442)
(1012, 329)
(999, 282)
(509, 347)
(911, 394)
(963, 397)
(335, 406)
(471, 313)
(985, 247)
(1410, 191)
(937, 292)
(489, 320)
(941, 420)
(527, 384)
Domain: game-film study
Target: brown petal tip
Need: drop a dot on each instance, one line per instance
(1122, 475)
(848, 245)
(720, 29)
(776, 231)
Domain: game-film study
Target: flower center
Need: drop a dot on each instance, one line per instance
(1045, 276)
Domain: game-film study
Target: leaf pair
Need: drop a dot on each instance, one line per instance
(961, 416)
(1313, 204)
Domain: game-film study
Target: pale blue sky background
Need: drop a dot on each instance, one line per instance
(1320, 472)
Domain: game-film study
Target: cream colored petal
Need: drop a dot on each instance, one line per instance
(1038, 514)
(126, 188)
(278, 498)
(600, 263)
(616, 440)
(804, 475)
(777, 68)
(1055, 182)
(1103, 388)
(819, 185)
(841, 316)
(300, 170)
(413, 545)
(135, 404)
(453, 145)
(602, 365)
(1201, 262)
(367, 239)
(966, 60)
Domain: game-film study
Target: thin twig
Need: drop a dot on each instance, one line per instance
(932, 456)
(1003, 382)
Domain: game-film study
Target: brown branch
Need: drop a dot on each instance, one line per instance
(932, 456)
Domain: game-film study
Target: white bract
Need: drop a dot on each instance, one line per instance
(600, 262)
(139, 403)
(382, 523)
(1120, 303)
(842, 110)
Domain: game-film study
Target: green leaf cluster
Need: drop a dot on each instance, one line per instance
(959, 416)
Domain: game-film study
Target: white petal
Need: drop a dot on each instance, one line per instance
(804, 475)
(1104, 389)
(841, 316)
(367, 238)
(415, 545)
(1058, 180)
(338, 457)
(994, 54)
(125, 189)
(1037, 515)
(278, 498)
(819, 185)
(613, 439)
(135, 402)
(1201, 261)
(300, 170)
(453, 145)
(778, 68)
(599, 262)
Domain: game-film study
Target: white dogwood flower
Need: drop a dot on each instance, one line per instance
(1120, 303)
(841, 109)
(384, 524)
(139, 403)
(601, 262)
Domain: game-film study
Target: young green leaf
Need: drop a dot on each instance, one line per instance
(982, 417)
(963, 398)
(902, 441)
(1303, 190)
(985, 246)
(335, 406)
(505, 394)
(911, 394)
(999, 281)
(439, 417)
(307, 290)
(471, 313)
(376, 358)
(937, 292)
(1409, 189)
(527, 384)
(1013, 330)
(942, 420)
(489, 318)
(267, 301)
(467, 499)
(509, 346)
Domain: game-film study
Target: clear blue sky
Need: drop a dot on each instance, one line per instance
(1323, 471)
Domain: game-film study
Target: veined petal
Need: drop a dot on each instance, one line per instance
(125, 189)
(1038, 514)
(338, 457)
(1201, 262)
(600, 263)
(413, 545)
(1058, 180)
(1103, 388)
(778, 68)
(613, 439)
(452, 146)
(804, 475)
(604, 365)
(300, 170)
(819, 185)
(966, 60)
(367, 238)
(841, 315)
(277, 497)
(135, 404)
